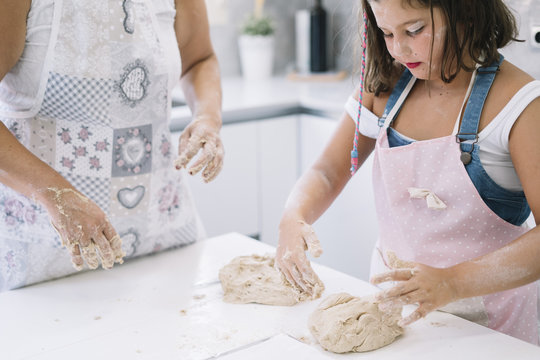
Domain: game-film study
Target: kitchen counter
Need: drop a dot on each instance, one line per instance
(169, 306)
(245, 100)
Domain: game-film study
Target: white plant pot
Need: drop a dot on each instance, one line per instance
(256, 56)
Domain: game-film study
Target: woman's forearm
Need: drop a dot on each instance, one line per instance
(201, 85)
(23, 171)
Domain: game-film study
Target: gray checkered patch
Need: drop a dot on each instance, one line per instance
(95, 188)
(185, 235)
(77, 99)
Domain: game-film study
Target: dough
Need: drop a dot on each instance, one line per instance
(396, 263)
(343, 323)
(254, 278)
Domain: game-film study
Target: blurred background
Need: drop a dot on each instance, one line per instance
(226, 17)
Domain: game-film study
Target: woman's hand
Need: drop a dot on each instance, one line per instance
(201, 134)
(83, 228)
(429, 287)
(295, 237)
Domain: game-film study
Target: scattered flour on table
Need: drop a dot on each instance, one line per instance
(254, 279)
(343, 323)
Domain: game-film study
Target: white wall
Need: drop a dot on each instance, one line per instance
(525, 55)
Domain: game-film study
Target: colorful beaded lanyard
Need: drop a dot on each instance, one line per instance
(354, 152)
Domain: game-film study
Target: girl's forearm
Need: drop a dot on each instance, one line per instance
(310, 197)
(513, 265)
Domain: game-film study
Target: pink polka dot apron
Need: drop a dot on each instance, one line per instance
(100, 117)
(430, 212)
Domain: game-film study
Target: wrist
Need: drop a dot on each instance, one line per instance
(212, 119)
(457, 280)
(291, 219)
(47, 193)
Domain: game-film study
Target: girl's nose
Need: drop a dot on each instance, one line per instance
(401, 47)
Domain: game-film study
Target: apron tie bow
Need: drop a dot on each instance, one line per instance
(432, 200)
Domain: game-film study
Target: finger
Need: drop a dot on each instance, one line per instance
(306, 272)
(76, 258)
(287, 275)
(298, 280)
(183, 142)
(115, 243)
(206, 156)
(90, 256)
(211, 171)
(192, 147)
(313, 243)
(393, 275)
(395, 292)
(416, 315)
(84, 241)
(215, 166)
(105, 251)
(388, 306)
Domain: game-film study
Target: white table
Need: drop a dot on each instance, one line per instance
(168, 306)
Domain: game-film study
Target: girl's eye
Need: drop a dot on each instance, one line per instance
(387, 35)
(415, 32)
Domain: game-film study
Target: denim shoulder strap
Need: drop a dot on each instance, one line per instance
(468, 131)
(394, 96)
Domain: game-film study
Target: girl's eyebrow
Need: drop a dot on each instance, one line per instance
(406, 23)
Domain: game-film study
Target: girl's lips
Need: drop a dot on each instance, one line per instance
(412, 65)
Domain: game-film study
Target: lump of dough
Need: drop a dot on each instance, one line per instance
(343, 323)
(254, 279)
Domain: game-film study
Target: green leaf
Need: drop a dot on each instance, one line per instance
(258, 26)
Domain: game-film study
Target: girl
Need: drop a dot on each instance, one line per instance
(84, 131)
(454, 129)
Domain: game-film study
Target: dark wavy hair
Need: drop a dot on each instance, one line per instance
(475, 29)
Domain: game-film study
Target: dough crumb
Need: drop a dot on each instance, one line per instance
(183, 312)
(343, 323)
(437, 324)
(254, 279)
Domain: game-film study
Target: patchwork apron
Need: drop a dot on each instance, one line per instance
(430, 212)
(101, 119)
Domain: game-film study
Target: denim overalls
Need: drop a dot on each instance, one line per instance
(510, 205)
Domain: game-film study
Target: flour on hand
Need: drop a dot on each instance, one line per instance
(343, 323)
(254, 279)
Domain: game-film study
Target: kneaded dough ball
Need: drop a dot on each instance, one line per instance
(254, 279)
(343, 323)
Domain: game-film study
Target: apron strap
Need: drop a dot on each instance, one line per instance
(396, 99)
(468, 131)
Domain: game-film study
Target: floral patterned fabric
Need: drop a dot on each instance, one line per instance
(96, 108)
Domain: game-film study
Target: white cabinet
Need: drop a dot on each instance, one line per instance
(260, 168)
(279, 169)
(229, 203)
(348, 229)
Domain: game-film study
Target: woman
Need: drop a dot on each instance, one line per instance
(85, 98)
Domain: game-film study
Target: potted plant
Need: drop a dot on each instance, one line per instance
(256, 44)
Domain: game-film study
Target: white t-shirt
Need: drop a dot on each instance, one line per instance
(492, 140)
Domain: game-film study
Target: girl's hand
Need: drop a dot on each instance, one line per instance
(295, 237)
(83, 228)
(201, 134)
(429, 287)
